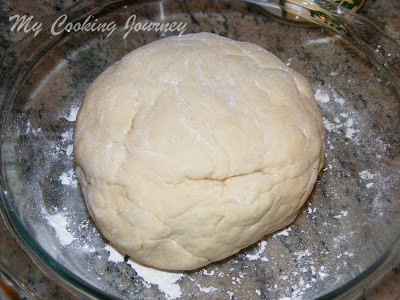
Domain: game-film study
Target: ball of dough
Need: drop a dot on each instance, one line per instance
(192, 148)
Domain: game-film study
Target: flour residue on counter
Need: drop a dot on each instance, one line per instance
(260, 253)
(343, 122)
(166, 282)
(68, 178)
(71, 117)
(59, 222)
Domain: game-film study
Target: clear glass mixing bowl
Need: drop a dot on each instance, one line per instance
(346, 235)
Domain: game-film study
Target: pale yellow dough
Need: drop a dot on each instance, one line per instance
(192, 148)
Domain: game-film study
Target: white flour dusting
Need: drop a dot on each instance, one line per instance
(115, 256)
(259, 253)
(207, 273)
(69, 150)
(301, 254)
(30, 129)
(311, 210)
(68, 178)
(72, 114)
(166, 282)
(344, 122)
(284, 232)
(350, 131)
(343, 213)
(60, 222)
(322, 273)
(67, 136)
(206, 290)
(321, 96)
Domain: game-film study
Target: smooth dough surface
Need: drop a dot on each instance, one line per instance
(192, 148)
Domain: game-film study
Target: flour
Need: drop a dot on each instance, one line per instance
(322, 275)
(348, 253)
(207, 273)
(30, 129)
(344, 122)
(331, 126)
(69, 178)
(67, 136)
(69, 150)
(59, 222)
(300, 254)
(343, 213)
(311, 210)
(350, 132)
(284, 232)
(166, 282)
(259, 253)
(71, 117)
(299, 285)
(115, 256)
(321, 96)
(206, 290)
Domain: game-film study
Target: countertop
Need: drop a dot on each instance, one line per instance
(386, 13)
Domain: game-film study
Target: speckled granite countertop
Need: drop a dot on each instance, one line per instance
(384, 12)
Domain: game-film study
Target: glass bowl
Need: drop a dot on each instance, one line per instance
(345, 236)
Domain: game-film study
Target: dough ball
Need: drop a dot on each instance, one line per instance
(192, 148)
